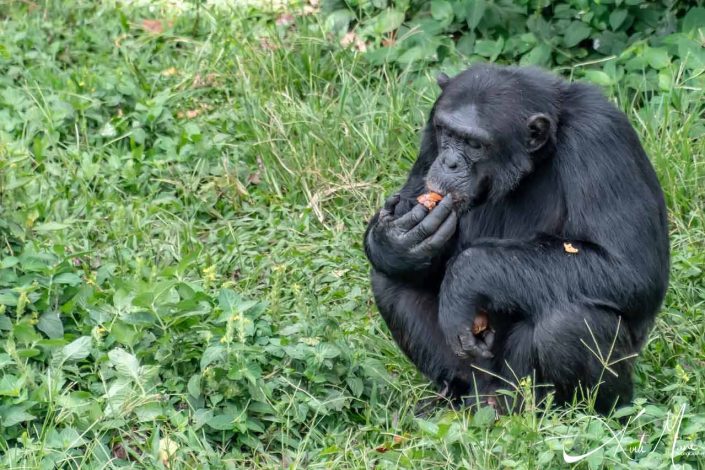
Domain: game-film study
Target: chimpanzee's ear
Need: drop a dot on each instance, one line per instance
(541, 130)
(442, 80)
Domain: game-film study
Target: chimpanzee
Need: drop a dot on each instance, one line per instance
(552, 224)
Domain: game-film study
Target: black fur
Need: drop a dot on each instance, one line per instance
(560, 164)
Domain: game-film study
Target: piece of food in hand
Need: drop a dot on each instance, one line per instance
(480, 323)
(429, 199)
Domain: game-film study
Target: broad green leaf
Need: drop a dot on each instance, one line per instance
(694, 19)
(412, 55)
(576, 32)
(382, 55)
(28, 352)
(539, 55)
(8, 298)
(545, 457)
(14, 415)
(213, 353)
(596, 459)
(339, 21)
(8, 262)
(254, 425)
(657, 57)
(617, 17)
(624, 411)
(690, 52)
(327, 350)
(77, 349)
(442, 11)
(125, 363)
(484, 417)
(246, 305)
(10, 385)
(194, 385)
(222, 422)
(71, 279)
(388, 21)
(122, 299)
(68, 438)
(50, 227)
(228, 301)
(665, 80)
(598, 77)
(25, 333)
(50, 324)
(427, 427)
(609, 42)
(489, 49)
(201, 417)
(475, 12)
(466, 44)
(290, 330)
(149, 412)
(124, 334)
(355, 384)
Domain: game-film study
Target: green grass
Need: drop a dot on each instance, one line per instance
(181, 291)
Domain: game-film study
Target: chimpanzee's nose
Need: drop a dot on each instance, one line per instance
(450, 161)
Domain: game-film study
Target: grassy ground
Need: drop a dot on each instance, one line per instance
(182, 283)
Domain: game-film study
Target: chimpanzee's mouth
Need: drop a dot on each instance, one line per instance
(436, 188)
(460, 200)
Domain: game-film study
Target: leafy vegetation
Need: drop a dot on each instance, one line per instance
(629, 42)
(183, 192)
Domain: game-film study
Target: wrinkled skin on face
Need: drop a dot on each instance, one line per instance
(484, 148)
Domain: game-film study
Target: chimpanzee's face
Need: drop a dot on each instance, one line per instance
(484, 145)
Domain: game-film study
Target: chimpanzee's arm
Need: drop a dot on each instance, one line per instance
(527, 280)
(411, 313)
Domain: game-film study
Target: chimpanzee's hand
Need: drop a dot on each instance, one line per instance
(409, 243)
(479, 345)
(458, 327)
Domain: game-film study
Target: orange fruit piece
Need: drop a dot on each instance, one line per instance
(480, 323)
(429, 200)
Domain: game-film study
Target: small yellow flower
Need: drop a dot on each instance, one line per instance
(97, 332)
(22, 303)
(682, 374)
(311, 341)
(209, 273)
(31, 218)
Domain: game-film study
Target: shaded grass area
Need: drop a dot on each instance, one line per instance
(182, 280)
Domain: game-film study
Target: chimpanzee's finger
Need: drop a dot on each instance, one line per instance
(392, 201)
(467, 340)
(411, 218)
(472, 345)
(388, 209)
(488, 338)
(444, 233)
(430, 224)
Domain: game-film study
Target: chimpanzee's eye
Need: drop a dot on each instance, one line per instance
(472, 143)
